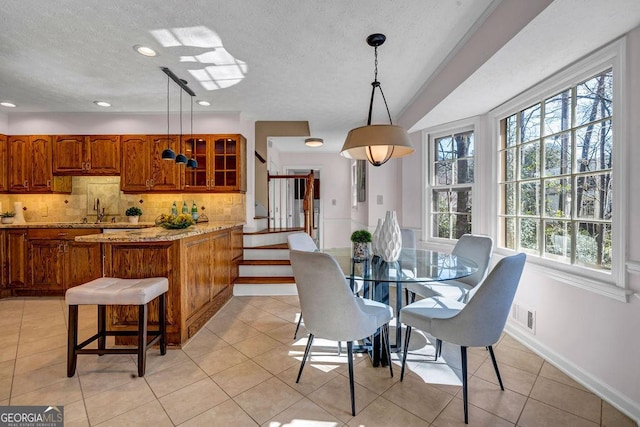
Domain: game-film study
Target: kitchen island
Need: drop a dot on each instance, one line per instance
(201, 263)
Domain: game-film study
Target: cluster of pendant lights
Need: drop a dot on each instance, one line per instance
(168, 154)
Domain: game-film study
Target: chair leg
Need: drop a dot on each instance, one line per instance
(387, 346)
(72, 340)
(304, 358)
(162, 320)
(102, 327)
(351, 385)
(495, 366)
(438, 348)
(463, 352)
(339, 348)
(142, 339)
(407, 336)
(295, 334)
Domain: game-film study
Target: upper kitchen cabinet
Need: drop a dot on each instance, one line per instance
(144, 170)
(30, 166)
(86, 155)
(221, 163)
(3, 163)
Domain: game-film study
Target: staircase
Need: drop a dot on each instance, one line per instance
(265, 269)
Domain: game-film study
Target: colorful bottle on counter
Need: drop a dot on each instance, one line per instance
(185, 208)
(194, 211)
(174, 209)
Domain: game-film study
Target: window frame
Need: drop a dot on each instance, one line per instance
(429, 137)
(610, 283)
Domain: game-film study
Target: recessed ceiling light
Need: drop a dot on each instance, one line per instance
(102, 104)
(203, 103)
(313, 142)
(8, 104)
(144, 50)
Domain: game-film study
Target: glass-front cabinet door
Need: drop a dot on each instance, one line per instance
(198, 149)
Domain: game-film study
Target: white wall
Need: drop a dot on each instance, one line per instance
(593, 338)
(4, 124)
(335, 184)
(412, 185)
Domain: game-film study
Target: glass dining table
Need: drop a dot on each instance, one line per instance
(413, 265)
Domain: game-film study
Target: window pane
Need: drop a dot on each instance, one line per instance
(557, 113)
(462, 225)
(557, 239)
(593, 245)
(441, 226)
(594, 196)
(530, 198)
(530, 160)
(510, 131)
(593, 147)
(463, 145)
(509, 203)
(464, 171)
(444, 148)
(443, 173)
(530, 123)
(509, 160)
(509, 233)
(594, 98)
(441, 201)
(461, 200)
(529, 234)
(557, 198)
(557, 155)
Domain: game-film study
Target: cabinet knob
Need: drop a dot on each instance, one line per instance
(26, 184)
(48, 183)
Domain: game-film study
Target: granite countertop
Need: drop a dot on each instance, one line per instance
(157, 234)
(80, 224)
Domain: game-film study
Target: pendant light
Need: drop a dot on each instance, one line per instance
(167, 153)
(377, 143)
(192, 163)
(181, 159)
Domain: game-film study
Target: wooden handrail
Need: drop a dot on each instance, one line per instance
(307, 204)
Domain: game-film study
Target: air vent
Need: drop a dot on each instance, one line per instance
(524, 316)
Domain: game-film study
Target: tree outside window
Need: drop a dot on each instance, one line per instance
(556, 189)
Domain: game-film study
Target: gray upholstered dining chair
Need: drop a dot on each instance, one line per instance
(475, 247)
(303, 242)
(478, 323)
(331, 311)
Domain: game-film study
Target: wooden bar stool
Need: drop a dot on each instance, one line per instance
(113, 291)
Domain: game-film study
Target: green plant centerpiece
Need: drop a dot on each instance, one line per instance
(7, 217)
(360, 240)
(133, 211)
(175, 221)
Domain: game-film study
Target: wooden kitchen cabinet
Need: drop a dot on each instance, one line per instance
(30, 166)
(86, 155)
(55, 262)
(221, 163)
(143, 169)
(16, 258)
(3, 163)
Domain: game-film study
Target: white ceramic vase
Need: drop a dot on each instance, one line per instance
(375, 239)
(134, 219)
(19, 218)
(390, 239)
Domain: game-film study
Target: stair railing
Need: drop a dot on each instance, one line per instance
(282, 193)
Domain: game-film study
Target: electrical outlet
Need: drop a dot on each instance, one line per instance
(524, 316)
(44, 211)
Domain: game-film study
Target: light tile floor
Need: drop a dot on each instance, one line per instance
(240, 371)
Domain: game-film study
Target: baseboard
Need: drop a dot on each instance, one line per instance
(610, 395)
(264, 289)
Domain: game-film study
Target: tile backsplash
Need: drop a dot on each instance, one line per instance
(80, 203)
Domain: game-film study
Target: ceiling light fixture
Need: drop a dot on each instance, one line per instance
(102, 103)
(8, 104)
(181, 159)
(377, 143)
(168, 153)
(144, 50)
(203, 103)
(313, 142)
(192, 163)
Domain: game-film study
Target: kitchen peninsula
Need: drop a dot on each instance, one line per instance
(201, 263)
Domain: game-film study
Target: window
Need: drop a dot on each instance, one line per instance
(451, 184)
(556, 175)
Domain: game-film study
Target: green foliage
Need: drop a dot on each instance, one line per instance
(361, 236)
(133, 211)
(7, 214)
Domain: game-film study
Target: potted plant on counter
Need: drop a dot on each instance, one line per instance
(133, 213)
(360, 240)
(7, 217)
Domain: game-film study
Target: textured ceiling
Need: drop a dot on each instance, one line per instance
(304, 60)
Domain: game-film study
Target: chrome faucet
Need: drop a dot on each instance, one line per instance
(96, 207)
